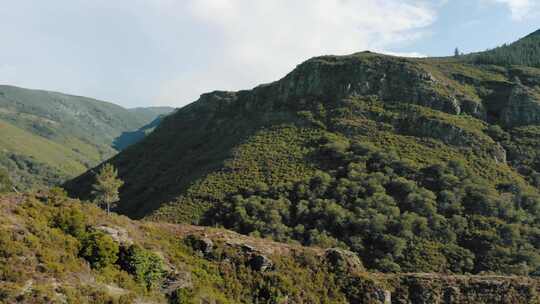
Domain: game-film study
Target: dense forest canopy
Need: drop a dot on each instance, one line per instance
(440, 218)
(524, 52)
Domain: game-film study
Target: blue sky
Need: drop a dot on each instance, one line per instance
(168, 52)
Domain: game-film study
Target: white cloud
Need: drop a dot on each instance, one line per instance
(520, 9)
(404, 54)
(259, 41)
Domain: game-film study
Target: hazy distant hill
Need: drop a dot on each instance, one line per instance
(46, 137)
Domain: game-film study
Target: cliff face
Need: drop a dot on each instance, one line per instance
(391, 79)
(522, 107)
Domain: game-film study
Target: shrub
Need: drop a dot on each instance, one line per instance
(70, 220)
(146, 266)
(181, 296)
(99, 249)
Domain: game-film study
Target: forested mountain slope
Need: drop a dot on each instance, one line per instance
(423, 165)
(47, 137)
(524, 52)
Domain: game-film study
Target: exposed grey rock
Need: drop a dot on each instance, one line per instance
(523, 107)
(381, 296)
(177, 280)
(118, 234)
(260, 262)
(388, 78)
(451, 134)
(344, 260)
(248, 248)
(201, 244)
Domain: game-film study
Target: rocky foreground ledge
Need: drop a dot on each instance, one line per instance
(414, 288)
(57, 250)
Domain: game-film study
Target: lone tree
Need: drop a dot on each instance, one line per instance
(105, 190)
(456, 53)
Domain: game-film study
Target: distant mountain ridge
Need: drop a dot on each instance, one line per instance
(46, 137)
(525, 52)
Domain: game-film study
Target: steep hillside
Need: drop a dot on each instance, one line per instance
(414, 164)
(57, 250)
(129, 138)
(47, 137)
(148, 114)
(525, 51)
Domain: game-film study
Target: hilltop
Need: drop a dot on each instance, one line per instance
(47, 137)
(416, 165)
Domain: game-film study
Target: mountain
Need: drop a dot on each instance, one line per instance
(525, 51)
(149, 114)
(48, 137)
(126, 139)
(416, 165)
(57, 250)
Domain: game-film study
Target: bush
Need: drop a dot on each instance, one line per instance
(70, 220)
(99, 249)
(181, 296)
(146, 266)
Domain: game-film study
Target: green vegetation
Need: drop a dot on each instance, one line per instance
(398, 218)
(48, 137)
(105, 190)
(5, 182)
(146, 266)
(525, 52)
(99, 249)
(414, 164)
(54, 250)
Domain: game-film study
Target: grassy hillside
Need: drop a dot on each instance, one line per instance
(57, 250)
(47, 137)
(414, 164)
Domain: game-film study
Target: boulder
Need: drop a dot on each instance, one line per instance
(343, 260)
(523, 107)
(259, 262)
(118, 234)
(177, 280)
(201, 243)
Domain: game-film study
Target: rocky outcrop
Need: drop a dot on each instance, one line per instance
(331, 78)
(254, 257)
(118, 234)
(176, 280)
(201, 244)
(451, 134)
(260, 262)
(343, 260)
(523, 107)
(365, 74)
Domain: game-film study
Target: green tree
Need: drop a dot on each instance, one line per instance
(105, 190)
(456, 52)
